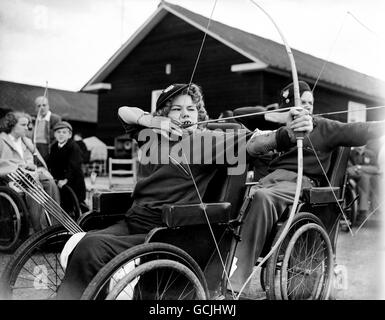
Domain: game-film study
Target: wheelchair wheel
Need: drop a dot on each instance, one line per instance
(13, 223)
(274, 263)
(34, 271)
(307, 264)
(69, 202)
(159, 280)
(130, 259)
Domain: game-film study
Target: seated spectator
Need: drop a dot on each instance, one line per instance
(17, 151)
(65, 160)
(364, 170)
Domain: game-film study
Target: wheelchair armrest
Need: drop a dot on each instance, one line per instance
(193, 214)
(321, 195)
(105, 202)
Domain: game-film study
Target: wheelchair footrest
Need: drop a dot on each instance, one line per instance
(194, 214)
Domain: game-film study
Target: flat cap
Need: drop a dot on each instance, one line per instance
(169, 92)
(286, 97)
(62, 125)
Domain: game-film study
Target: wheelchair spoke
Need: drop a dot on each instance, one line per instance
(168, 284)
(304, 262)
(35, 272)
(307, 266)
(51, 287)
(38, 265)
(157, 285)
(304, 280)
(22, 278)
(128, 290)
(171, 278)
(164, 284)
(34, 275)
(161, 272)
(181, 296)
(315, 251)
(297, 286)
(298, 274)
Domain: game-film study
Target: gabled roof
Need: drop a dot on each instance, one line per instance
(260, 50)
(70, 105)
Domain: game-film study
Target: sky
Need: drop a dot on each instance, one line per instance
(65, 42)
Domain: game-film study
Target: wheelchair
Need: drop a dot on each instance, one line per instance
(181, 260)
(14, 224)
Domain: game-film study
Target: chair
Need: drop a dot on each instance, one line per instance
(184, 225)
(121, 175)
(14, 221)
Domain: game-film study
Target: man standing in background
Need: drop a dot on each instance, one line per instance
(43, 135)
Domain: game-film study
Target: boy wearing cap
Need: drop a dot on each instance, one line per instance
(276, 191)
(179, 106)
(65, 160)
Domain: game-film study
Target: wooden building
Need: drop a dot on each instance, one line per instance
(235, 69)
(78, 108)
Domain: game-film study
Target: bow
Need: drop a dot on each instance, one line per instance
(299, 138)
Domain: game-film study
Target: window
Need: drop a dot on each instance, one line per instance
(356, 112)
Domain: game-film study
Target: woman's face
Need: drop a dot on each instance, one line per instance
(184, 111)
(21, 127)
(307, 101)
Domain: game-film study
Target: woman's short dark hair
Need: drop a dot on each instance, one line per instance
(195, 92)
(9, 121)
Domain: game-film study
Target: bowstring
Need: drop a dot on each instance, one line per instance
(326, 61)
(347, 111)
(202, 43)
(330, 186)
(340, 112)
(299, 140)
(187, 162)
(335, 197)
(208, 222)
(366, 27)
(338, 35)
(369, 215)
(244, 115)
